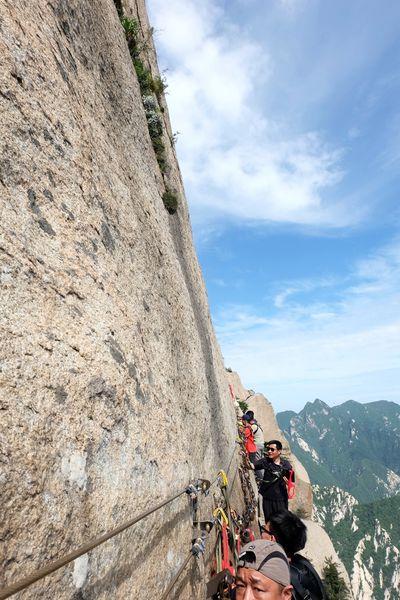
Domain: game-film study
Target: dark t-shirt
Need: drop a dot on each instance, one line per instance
(273, 486)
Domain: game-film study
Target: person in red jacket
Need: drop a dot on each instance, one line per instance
(250, 445)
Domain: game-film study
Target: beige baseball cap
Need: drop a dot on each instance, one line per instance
(268, 558)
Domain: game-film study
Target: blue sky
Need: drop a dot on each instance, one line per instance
(288, 116)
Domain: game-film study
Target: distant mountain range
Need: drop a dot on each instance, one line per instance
(353, 446)
(366, 537)
(352, 455)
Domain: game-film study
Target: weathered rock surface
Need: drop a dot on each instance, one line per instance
(113, 391)
(265, 415)
(319, 547)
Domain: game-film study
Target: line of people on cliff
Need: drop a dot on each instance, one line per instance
(272, 568)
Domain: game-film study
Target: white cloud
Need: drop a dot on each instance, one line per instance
(302, 285)
(322, 346)
(219, 282)
(236, 162)
(353, 133)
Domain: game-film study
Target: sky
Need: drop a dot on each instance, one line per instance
(287, 116)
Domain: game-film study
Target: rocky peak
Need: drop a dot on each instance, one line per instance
(315, 408)
(370, 552)
(366, 437)
(321, 404)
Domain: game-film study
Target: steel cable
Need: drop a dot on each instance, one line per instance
(61, 562)
(165, 596)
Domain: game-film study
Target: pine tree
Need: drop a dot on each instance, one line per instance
(335, 585)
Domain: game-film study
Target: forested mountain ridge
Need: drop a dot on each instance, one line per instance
(352, 454)
(366, 537)
(353, 446)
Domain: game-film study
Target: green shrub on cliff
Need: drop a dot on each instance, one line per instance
(244, 407)
(144, 77)
(159, 85)
(335, 585)
(131, 27)
(151, 89)
(170, 201)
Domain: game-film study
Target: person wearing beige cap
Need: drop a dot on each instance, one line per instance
(263, 572)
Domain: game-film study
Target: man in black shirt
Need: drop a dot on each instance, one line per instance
(273, 486)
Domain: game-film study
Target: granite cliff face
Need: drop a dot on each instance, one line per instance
(113, 391)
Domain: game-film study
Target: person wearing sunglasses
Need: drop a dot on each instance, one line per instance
(273, 486)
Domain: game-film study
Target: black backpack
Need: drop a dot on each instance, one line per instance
(306, 582)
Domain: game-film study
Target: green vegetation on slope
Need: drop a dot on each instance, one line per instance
(335, 585)
(368, 532)
(151, 89)
(353, 446)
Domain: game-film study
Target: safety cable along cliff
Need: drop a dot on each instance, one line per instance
(197, 486)
(54, 566)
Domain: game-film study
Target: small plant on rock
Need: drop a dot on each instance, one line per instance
(131, 28)
(159, 85)
(244, 407)
(302, 513)
(170, 200)
(175, 138)
(161, 157)
(153, 116)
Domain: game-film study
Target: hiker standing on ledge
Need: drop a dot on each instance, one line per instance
(250, 446)
(257, 433)
(258, 440)
(273, 486)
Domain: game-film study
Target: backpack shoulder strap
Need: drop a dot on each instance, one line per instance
(300, 592)
(301, 560)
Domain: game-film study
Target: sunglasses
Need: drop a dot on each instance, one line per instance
(271, 449)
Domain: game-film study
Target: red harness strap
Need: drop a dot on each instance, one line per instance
(226, 563)
(291, 486)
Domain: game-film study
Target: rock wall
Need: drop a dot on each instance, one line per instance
(265, 415)
(319, 547)
(113, 391)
